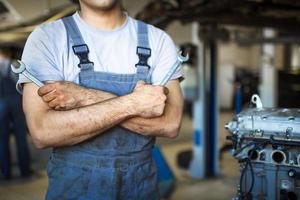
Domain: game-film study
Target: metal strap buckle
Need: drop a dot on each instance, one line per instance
(82, 51)
(143, 54)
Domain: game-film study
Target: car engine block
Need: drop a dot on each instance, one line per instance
(266, 142)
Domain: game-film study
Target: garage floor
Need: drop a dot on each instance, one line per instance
(220, 188)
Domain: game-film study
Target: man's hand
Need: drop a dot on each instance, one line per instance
(150, 100)
(62, 95)
(166, 125)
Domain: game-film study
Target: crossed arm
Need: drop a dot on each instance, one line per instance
(93, 112)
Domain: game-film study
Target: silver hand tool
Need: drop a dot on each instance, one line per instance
(20, 68)
(180, 60)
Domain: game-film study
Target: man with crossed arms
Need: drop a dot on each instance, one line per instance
(99, 110)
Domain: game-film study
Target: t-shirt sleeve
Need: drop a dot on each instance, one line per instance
(39, 58)
(167, 57)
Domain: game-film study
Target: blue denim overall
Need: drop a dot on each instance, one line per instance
(116, 164)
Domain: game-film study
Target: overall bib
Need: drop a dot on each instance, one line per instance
(117, 164)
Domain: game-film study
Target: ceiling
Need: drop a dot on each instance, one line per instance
(283, 15)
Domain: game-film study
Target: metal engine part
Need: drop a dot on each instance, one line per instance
(266, 142)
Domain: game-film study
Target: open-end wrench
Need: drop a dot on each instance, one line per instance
(167, 77)
(20, 68)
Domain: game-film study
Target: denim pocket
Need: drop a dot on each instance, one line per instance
(146, 181)
(67, 181)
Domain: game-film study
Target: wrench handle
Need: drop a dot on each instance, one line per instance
(170, 73)
(32, 78)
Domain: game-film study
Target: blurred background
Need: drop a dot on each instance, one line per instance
(237, 48)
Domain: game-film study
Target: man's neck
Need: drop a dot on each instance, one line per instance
(106, 20)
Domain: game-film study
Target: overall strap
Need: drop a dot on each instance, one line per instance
(143, 50)
(80, 49)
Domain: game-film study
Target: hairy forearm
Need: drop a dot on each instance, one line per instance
(148, 127)
(166, 125)
(61, 128)
(139, 125)
(92, 96)
(55, 119)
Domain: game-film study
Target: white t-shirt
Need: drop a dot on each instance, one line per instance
(49, 56)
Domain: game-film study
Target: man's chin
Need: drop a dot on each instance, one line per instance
(102, 7)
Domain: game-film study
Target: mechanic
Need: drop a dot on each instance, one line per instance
(99, 110)
(12, 118)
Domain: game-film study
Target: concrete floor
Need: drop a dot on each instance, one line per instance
(220, 188)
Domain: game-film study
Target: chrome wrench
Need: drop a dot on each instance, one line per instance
(20, 68)
(167, 77)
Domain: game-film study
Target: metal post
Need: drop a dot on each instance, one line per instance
(197, 166)
(268, 87)
(212, 150)
(205, 111)
(238, 98)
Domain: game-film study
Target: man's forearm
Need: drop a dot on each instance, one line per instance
(137, 124)
(51, 127)
(163, 126)
(167, 125)
(60, 128)
(92, 96)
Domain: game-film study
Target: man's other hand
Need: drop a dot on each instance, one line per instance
(150, 100)
(61, 95)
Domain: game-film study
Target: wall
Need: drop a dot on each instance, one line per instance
(232, 54)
